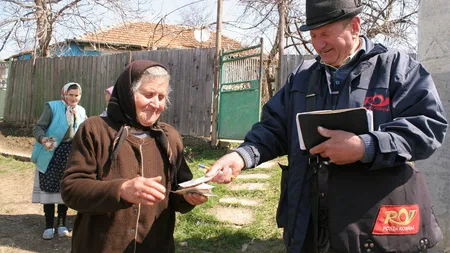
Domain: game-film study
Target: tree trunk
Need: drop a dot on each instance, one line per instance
(44, 28)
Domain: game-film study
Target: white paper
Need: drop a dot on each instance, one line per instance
(203, 189)
(197, 181)
(370, 119)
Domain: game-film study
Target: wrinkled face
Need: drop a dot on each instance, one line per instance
(73, 97)
(150, 100)
(336, 41)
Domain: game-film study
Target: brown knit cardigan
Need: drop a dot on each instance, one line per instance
(91, 185)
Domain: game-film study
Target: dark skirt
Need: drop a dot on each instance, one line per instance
(50, 180)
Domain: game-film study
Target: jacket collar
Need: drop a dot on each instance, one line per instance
(370, 49)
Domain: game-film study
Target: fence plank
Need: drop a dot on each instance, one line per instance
(192, 81)
(173, 111)
(192, 61)
(208, 90)
(202, 97)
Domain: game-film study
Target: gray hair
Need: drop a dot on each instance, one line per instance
(153, 73)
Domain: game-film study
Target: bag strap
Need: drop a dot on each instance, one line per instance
(315, 163)
(313, 88)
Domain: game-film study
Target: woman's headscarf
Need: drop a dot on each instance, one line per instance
(70, 110)
(109, 90)
(122, 107)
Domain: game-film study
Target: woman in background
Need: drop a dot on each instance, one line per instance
(53, 133)
(108, 93)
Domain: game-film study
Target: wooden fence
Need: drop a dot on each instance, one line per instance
(31, 86)
(289, 63)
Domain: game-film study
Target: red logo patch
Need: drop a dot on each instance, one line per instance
(377, 103)
(397, 220)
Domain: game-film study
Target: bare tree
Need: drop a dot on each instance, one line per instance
(260, 18)
(34, 23)
(393, 22)
(196, 15)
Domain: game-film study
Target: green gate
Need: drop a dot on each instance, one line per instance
(3, 82)
(241, 73)
(2, 101)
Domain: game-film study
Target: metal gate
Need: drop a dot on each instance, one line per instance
(3, 79)
(241, 73)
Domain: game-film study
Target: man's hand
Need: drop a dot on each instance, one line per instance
(342, 147)
(228, 167)
(194, 198)
(147, 191)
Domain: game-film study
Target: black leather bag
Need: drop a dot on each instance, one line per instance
(387, 210)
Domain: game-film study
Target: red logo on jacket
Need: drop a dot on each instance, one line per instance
(377, 102)
(397, 220)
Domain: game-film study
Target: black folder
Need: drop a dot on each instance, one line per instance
(355, 120)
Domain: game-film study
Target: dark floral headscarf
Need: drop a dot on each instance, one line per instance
(122, 107)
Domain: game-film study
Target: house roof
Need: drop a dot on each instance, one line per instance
(151, 35)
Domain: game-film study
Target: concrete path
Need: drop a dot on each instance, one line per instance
(237, 211)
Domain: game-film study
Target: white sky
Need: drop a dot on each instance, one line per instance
(159, 8)
(231, 12)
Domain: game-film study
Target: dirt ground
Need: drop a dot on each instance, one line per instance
(21, 222)
(16, 139)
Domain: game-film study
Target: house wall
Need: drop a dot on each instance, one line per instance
(73, 49)
(26, 56)
(434, 54)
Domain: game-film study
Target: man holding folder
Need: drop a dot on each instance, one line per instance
(409, 124)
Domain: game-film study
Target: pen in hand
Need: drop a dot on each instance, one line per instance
(204, 167)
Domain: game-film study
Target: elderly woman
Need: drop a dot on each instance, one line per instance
(123, 167)
(53, 133)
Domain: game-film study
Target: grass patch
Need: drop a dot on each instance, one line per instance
(8, 164)
(200, 231)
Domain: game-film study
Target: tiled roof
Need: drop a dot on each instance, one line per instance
(151, 35)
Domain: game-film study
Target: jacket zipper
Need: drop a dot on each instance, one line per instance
(139, 205)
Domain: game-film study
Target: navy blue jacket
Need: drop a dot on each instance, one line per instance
(409, 121)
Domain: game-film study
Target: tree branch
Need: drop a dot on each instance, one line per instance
(69, 5)
(8, 35)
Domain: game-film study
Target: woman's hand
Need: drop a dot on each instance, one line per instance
(147, 191)
(195, 198)
(44, 140)
(49, 143)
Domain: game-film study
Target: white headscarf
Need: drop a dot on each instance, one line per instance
(70, 110)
